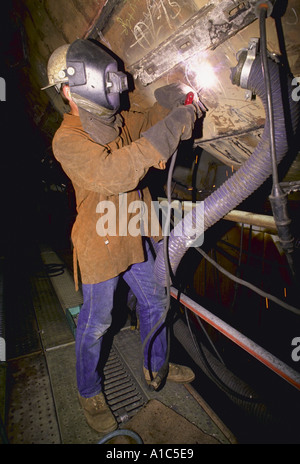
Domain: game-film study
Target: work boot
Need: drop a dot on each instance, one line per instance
(97, 413)
(177, 373)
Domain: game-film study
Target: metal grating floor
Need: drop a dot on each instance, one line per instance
(123, 394)
(71, 422)
(176, 396)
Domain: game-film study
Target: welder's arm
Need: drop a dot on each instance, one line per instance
(97, 168)
(112, 171)
(166, 135)
(137, 122)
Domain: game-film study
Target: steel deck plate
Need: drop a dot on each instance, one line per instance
(31, 415)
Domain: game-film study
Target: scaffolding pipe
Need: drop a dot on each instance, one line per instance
(259, 220)
(262, 355)
(235, 215)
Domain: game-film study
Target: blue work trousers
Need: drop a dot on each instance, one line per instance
(95, 318)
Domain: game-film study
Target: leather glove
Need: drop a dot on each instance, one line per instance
(166, 134)
(172, 95)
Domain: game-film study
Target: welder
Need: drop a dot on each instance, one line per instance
(107, 152)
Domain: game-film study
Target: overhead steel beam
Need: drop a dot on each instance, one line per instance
(212, 25)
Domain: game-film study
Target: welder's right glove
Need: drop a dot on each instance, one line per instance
(166, 134)
(172, 95)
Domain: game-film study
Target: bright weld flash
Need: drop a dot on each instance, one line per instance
(202, 75)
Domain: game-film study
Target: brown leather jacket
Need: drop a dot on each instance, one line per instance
(100, 173)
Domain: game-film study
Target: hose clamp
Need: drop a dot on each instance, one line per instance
(252, 52)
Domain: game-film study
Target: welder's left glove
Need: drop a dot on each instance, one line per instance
(178, 125)
(172, 95)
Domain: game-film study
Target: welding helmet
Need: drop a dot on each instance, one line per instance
(92, 75)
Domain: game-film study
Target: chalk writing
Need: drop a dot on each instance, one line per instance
(147, 27)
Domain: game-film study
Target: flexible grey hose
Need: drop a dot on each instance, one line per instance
(121, 432)
(251, 175)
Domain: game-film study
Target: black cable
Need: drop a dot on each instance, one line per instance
(164, 369)
(238, 268)
(54, 269)
(209, 339)
(249, 285)
(167, 229)
(266, 74)
(278, 198)
(213, 375)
